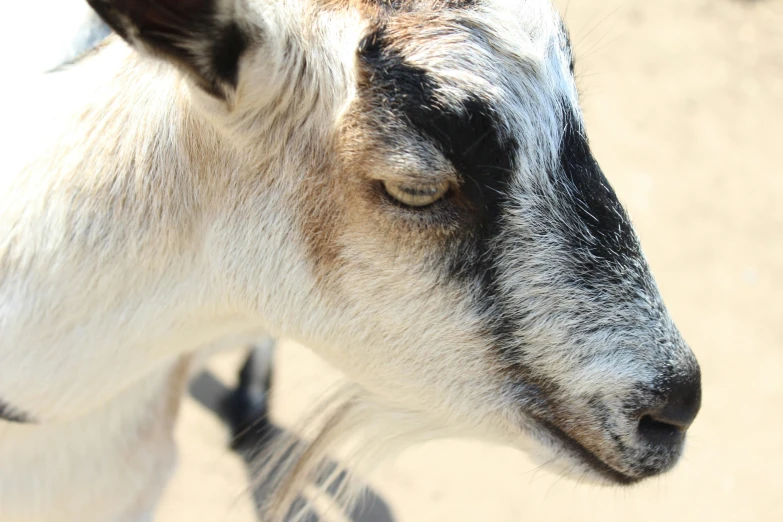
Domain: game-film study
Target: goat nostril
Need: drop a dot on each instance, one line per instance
(667, 422)
(659, 432)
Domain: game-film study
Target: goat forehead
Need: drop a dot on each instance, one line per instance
(535, 16)
(508, 60)
(499, 36)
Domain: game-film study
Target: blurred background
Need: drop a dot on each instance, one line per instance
(684, 107)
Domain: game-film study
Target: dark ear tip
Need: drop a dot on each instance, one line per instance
(101, 5)
(170, 28)
(110, 14)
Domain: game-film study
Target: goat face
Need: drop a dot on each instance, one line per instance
(519, 297)
(465, 258)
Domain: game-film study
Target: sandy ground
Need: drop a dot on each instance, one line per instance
(684, 105)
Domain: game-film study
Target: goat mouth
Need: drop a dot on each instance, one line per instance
(587, 457)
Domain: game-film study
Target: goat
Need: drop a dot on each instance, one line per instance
(404, 186)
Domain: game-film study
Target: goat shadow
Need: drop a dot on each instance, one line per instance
(244, 410)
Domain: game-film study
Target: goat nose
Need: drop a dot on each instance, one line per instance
(666, 422)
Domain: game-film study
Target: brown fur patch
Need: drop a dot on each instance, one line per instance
(344, 202)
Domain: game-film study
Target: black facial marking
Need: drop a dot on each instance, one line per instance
(603, 231)
(469, 136)
(472, 139)
(11, 414)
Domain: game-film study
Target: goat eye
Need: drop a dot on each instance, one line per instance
(416, 195)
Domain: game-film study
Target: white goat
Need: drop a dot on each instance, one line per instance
(403, 185)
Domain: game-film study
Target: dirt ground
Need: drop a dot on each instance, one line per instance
(684, 107)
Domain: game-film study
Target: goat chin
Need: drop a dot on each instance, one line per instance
(347, 428)
(348, 434)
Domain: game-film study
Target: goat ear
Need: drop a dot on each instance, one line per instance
(202, 37)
